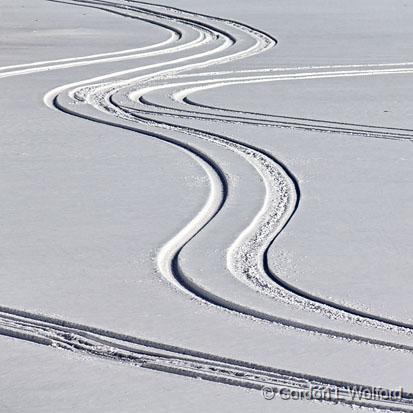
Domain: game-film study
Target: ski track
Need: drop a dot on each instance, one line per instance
(246, 257)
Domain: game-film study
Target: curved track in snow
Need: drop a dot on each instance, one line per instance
(182, 106)
(246, 257)
(196, 42)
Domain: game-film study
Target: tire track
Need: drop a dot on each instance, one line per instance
(230, 116)
(90, 340)
(184, 362)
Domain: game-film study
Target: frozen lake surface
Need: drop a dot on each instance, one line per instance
(206, 204)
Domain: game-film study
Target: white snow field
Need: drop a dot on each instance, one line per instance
(206, 206)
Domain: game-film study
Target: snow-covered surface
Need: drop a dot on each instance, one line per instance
(223, 199)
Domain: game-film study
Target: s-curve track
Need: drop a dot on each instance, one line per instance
(155, 99)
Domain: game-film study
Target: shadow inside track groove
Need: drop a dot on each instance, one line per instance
(200, 105)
